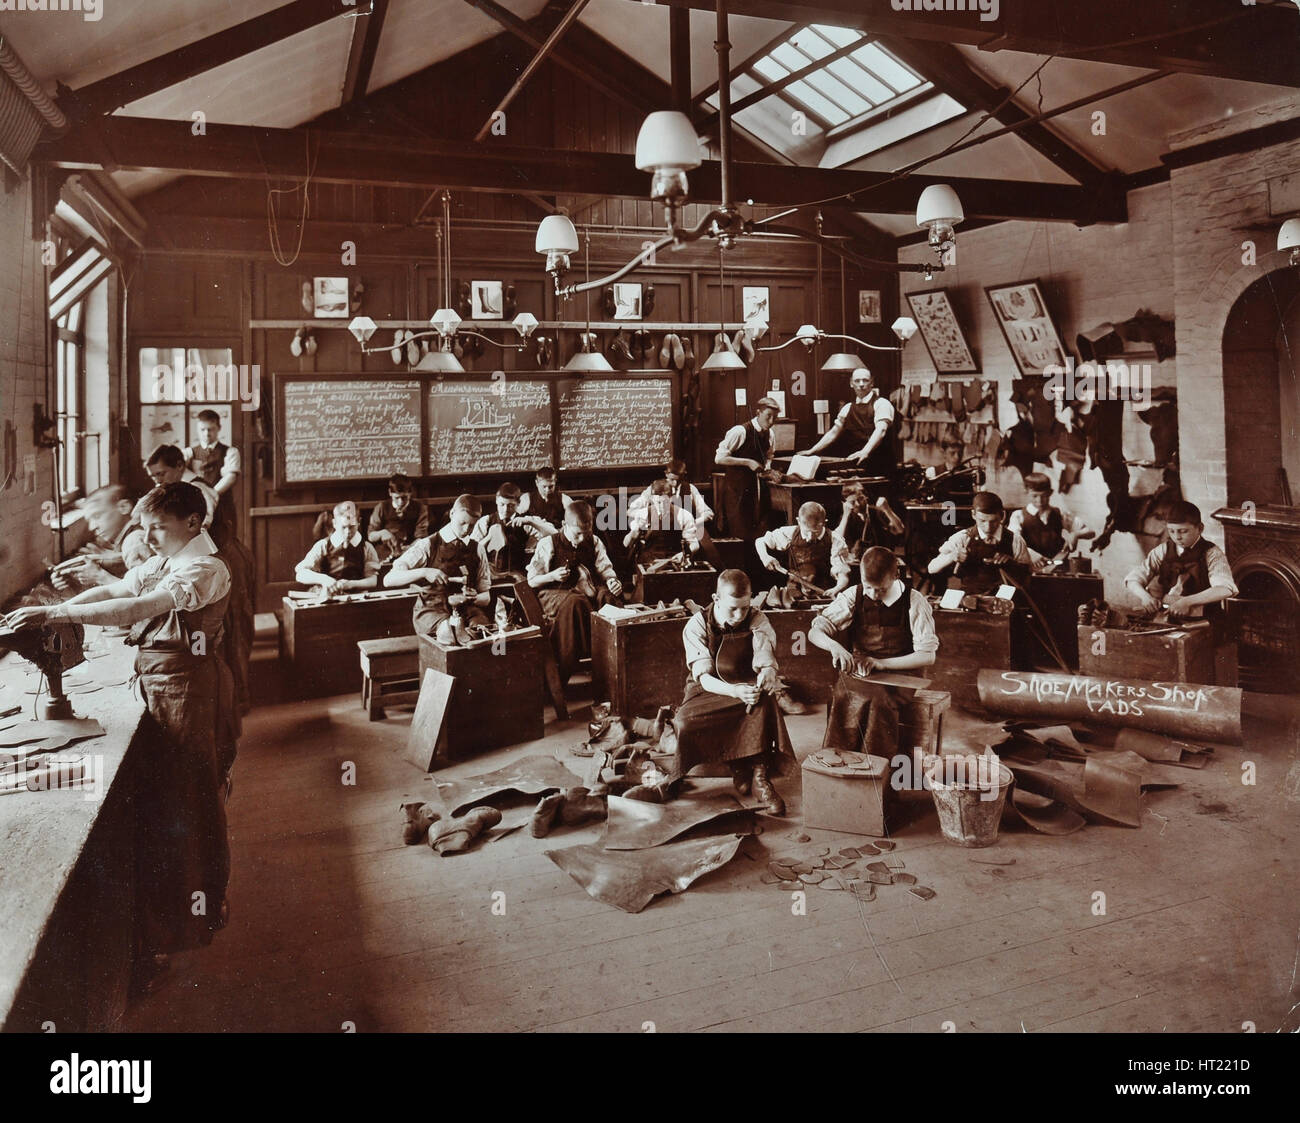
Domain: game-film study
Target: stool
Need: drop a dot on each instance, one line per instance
(920, 722)
(390, 672)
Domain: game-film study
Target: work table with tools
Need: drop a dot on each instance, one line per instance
(66, 899)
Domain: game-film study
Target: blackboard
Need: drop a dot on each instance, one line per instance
(348, 428)
(616, 422)
(489, 426)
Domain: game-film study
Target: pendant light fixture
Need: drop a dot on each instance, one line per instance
(585, 360)
(726, 358)
(842, 362)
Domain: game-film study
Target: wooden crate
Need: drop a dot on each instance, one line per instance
(318, 641)
(499, 694)
(1185, 655)
(967, 642)
(1058, 597)
(693, 584)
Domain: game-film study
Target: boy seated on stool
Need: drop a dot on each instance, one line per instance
(661, 528)
(567, 570)
(812, 552)
(545, 502)
(729, 712)
(1049, 532)
(863, 525)
(881, 625)
(505, 535)
(343, 561)
(451, 553)
(1187, 572)
(983, 552)
(684, 493)
(399, 520)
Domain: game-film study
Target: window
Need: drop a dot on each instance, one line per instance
(176, 383)
(70, 396)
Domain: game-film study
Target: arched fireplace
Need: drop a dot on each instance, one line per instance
(1262, 527)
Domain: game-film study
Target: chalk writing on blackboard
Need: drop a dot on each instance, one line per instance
(611, 422)
(497, 426)
(341, 430)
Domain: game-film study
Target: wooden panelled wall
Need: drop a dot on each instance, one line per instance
(209, 273)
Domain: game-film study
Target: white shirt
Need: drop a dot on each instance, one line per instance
(882, 410)
(419, 553)
(701, 662)
(735, 437)
(1069, 524)
(782, 536)
(543, 560)
(703, 512)
(194, 577)
(1217, 568)
(838, 615)
(316, 555)
(673, 517)
(229, 466)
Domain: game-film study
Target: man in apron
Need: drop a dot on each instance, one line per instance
(745, 452)
(174, 605)
(865, 431)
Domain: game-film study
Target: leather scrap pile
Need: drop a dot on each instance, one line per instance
(1064, 781)
(840, 872)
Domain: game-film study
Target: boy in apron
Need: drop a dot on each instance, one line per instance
(440, 558)
(985, 553)
(881, 624)
(174, 605)
(343, 560)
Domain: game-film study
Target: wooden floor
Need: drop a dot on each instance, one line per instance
(335, 921)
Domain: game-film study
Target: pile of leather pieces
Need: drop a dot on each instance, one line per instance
(840, 872)
(785, 596)
(646, 849)
(1067, 777)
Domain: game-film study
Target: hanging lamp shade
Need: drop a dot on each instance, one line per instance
(723, 360)
(556, 234)
(842, 362)
(667, 142)
(588, 361)
(939, 203)
(440, 362)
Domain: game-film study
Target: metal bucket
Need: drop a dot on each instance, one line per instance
(969, 794)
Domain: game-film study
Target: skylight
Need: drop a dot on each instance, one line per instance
(855, 77)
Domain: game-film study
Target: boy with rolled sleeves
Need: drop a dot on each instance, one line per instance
(451, 557)
(399, 520)
(1187, 572)
(343, 561)
(1049, 532)
(119, 542)
(745, 451)
(684, 495)
(986, 552)
(729, 712)
(863, 525)
(813, 552)
(661, 528)
(880, 625)
(572, 574)
(174, 605)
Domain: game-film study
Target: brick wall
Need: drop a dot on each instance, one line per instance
(1088, 276)
(24, 541)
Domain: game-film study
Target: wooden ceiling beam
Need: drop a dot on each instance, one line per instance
(944, 66)
(174, 67)
(361, 55)
(1247, 42)
(250, 152)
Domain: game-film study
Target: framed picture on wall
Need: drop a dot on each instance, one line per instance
(1021, 313)
(755, 303)
(943, 337)
(487, 300)
(868, 306)
(162, 425)
(330, 298)
(627, 301)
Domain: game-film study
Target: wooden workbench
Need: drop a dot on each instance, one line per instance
(969, 641)
(1057, 596)
(1185, 654)
(67, 904)
(318, 639)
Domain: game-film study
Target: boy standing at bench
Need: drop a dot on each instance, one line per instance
(342, 561)
(881, 625)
